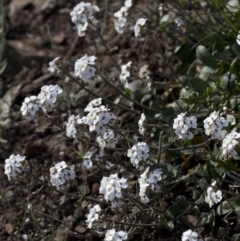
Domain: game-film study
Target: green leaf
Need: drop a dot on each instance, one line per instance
(228, 165)
(228, 80)
(198, 84)
(128, 92)
(146, 98)
(196, 194)
(234, 67)
(206, 58)
(235, 102)
(228, 206)
(224, 208)
(3, 66)
(236, 237)
(182, 201)
(206, 220)
(233, 6)
(170, 225)
(206, 72)
(174, 210)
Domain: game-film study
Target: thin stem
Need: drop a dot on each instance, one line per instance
(124, 95)
(107, 49)
(159, 147)
(96, 95)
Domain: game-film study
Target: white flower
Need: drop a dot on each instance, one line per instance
(108, 139)
(111, 187)
(155, 176)
(148, 82)
(83, 16)
(121, 16)
(137, 27)
(189, 235)
(229, 143)
(221, 122)
(54, 65)
(57, 179)
(112, 235)
(191, 122)
(178, 21)
(211, 119)
(213, 125)
(231, 119)
(182, 124)
(101, 141)
(25, 237)
(70, 126)
(87, 159)
(149, 180)
(120, 19)
(61, 173)
(125, 73)
(92, 104)
(93, 215)
(97, 119)
(213, 197)
(48, 96)
(60, 166)
(69, 174)
(143, 186)
(238, 38)
(30, 107)
(14, 165)
(83, 68)
(128, 4)
(141, 124)
(138, 152)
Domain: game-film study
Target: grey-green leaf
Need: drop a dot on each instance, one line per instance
(206, 58)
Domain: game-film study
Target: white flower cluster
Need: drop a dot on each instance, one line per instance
(48, 96)
(83, 14)
(213, 197)
(190, 235)
(93, 215)
(70, 126)
(138, 152)
(54, 65)
(14, 165)
(111, 187)
(97, 120)
(30, 107)
(149, 180)
(229, 143)
(61, 173)
(121, 16)
(213, 125)
(112, 235)
(125, 73)
(83, 68)
(137, 27)
(142, 124)
(183, 124)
